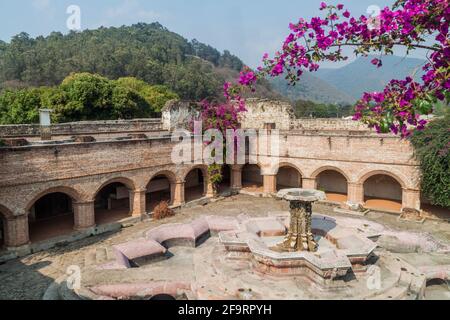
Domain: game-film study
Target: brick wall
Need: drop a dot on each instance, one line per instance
(329, 124)
(83, 128)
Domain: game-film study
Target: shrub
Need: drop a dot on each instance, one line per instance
(432, 148)
(163, 211)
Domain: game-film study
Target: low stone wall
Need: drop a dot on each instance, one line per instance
(329, 124)
(88, 127)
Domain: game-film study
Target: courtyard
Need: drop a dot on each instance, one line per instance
(30, 277)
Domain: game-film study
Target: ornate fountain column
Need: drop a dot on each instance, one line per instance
(300, 236)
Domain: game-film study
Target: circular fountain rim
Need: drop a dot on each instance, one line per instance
(299, 194)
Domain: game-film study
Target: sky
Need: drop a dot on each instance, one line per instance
(248, 28)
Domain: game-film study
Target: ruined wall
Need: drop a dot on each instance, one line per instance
(329, 124)
(179, 115)
(259, 112)
(83, 128)
(81, 168)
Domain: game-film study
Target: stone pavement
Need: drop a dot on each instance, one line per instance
(29, 277)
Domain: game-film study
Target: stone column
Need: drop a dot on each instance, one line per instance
(270, 184)
(236, 178)
(16, 231)
(178, 194)
(355, 194)
(309, 183)
(209, 190)
(138, 203)
(411, 200)
(84, 215)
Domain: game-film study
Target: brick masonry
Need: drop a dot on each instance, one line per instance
(80, 170)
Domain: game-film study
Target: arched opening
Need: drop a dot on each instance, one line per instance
(288, 177)
(437, 289)
(194, 185)
(162, 297)
(383, 192)
(252, 179)
(159, 189)
(334, 184)
(51, 216)
(112, 203)
(225, 184)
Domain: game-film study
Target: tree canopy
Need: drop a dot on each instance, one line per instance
(432, 147)
(85, 96)
(148, 52)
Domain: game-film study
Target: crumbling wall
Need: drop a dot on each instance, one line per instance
(262, 112)
(83, 128)
(329, 125)
(179, 114)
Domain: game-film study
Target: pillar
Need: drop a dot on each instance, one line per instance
(355, 194)
(309, 183)
(270, 184)
(411, 200)
(209, 189)
(16, 231)
(178, 194)
(84, 215)
(236, 178)
(138, 203)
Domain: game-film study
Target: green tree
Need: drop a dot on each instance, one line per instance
(156, 96)
(146, 51)
(432, 148)
(22, 106)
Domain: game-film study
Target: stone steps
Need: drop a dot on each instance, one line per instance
(98, 256)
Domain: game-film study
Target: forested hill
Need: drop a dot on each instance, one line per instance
(149, 52)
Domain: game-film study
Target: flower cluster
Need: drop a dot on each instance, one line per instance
(400, 106)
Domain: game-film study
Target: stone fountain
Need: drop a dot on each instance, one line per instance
(283, 255)
(300, 236)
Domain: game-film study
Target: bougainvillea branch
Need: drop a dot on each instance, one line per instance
(222, 117)
(409, 23)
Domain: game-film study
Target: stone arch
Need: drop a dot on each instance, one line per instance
(288, 176)
(252, 177)
(281, 165)
(160, 187)
(317, 172)
(69, 191)
(130, 184)
(195, 182)
(202, 167)
(370, 174)
(385, 192)
(334, 182)
(170, 175)
(113, 200)
(51, 213)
